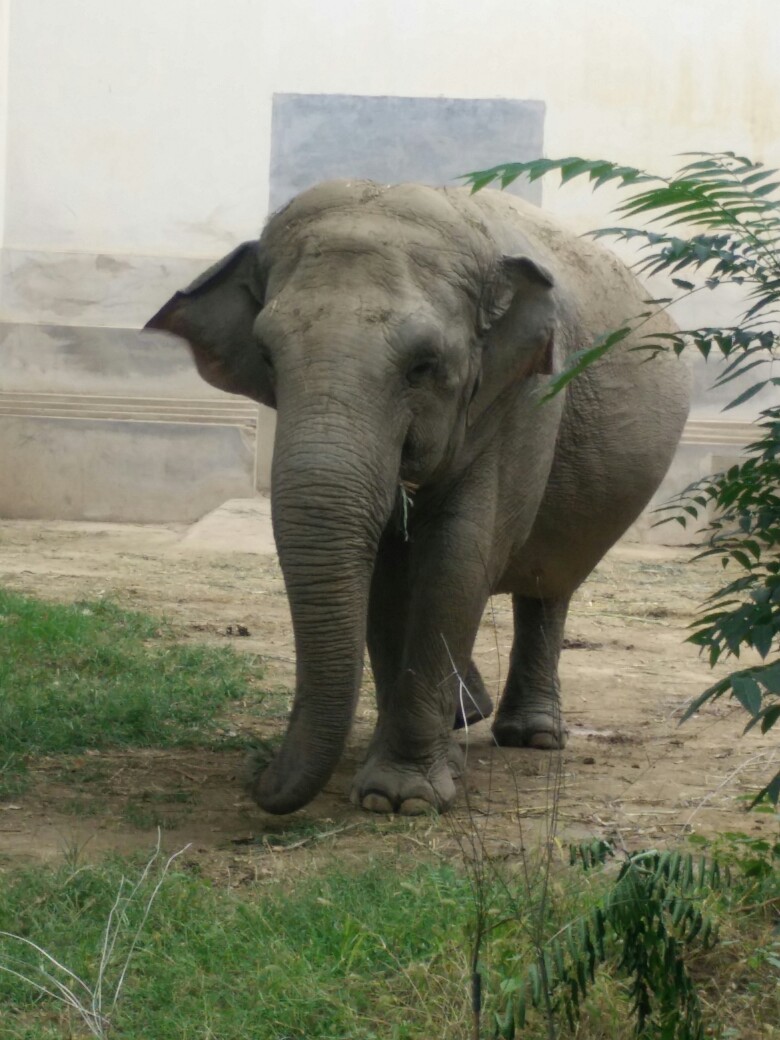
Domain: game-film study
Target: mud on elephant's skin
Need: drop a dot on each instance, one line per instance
(405, 335)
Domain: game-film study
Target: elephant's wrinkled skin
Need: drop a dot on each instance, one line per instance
(404, 335)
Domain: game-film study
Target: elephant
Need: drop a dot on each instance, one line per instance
(406, 336)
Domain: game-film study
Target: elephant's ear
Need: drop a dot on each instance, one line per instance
(216, 315)
(517, 330)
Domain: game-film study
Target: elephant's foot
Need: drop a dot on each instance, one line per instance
(472, 701)
(535, 729)
(390, 786)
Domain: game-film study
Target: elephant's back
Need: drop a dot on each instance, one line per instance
(623, 415)
(577, 262)
(596, 294)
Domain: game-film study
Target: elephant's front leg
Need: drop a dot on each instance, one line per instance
(426, 605)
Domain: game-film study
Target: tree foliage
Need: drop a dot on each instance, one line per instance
(715, 222)
(644, 927)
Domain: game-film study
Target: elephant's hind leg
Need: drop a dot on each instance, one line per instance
(529, 714)
(472, 701)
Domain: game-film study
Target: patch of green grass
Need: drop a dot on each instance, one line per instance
(363, 955)
(380, 951)
(91, 675)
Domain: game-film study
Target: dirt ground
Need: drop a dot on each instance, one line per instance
(630, 771)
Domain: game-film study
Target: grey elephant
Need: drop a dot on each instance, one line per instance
(406, 335)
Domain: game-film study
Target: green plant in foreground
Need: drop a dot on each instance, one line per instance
(371, 952)
(643, 927)
(729, 207)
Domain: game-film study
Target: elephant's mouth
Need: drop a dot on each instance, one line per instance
(418, 462)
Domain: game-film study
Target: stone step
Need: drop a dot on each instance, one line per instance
(719, 431)
(238, 412)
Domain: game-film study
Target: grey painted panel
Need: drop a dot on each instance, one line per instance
(320, 136)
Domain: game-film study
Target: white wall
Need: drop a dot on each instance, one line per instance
(4, 39)
(148, 131)
(136, 137)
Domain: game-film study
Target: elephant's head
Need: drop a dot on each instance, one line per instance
(384, 325)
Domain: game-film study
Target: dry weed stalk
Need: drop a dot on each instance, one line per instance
(78, 995)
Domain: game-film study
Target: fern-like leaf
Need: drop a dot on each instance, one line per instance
(645, 924)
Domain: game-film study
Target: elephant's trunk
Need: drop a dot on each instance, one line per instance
(331, 498)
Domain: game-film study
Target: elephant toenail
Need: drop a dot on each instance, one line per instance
(416, 807)
(375, 801)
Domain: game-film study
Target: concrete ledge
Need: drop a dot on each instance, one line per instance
(237, 526)
(718, 432)
(173, 459)
(114, 470)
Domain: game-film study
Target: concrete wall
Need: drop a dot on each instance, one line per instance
(145, 128)
(140, 141)
(5, 480)
(4, 41)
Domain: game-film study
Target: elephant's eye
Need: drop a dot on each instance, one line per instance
(421, 371)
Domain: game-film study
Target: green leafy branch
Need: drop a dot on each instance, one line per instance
(644, 927)
(729, 210)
